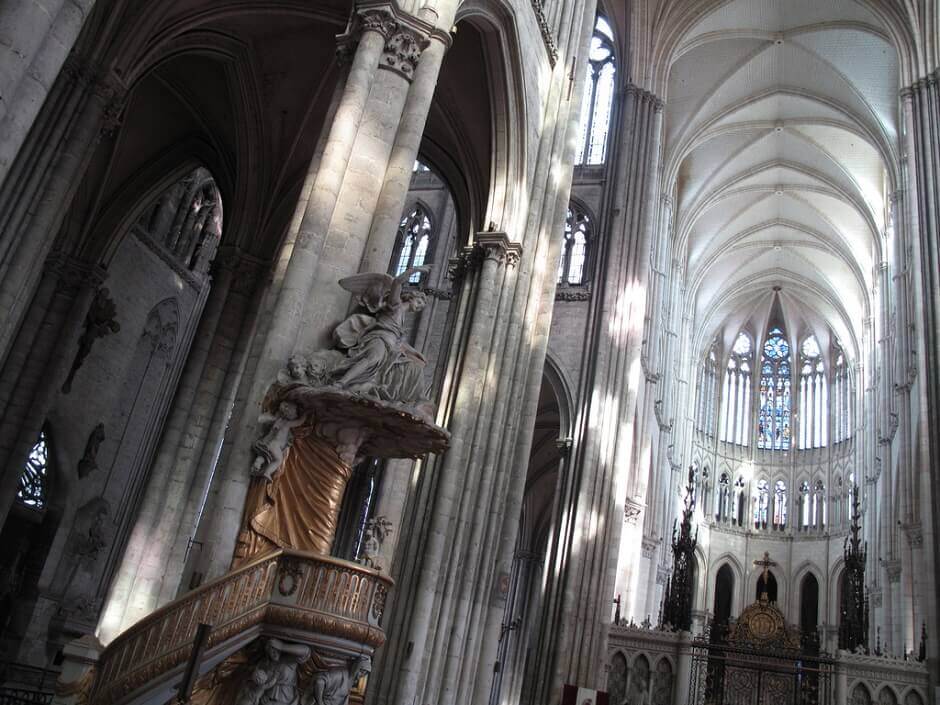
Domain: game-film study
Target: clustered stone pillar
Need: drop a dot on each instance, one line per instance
(584, 557)
(342, 207)
(923, 118)
(38, 363)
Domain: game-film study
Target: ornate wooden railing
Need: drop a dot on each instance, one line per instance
(304, 591)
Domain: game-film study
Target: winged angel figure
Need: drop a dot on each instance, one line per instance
(379, 363)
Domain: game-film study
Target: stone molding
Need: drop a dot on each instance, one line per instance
(582, 293)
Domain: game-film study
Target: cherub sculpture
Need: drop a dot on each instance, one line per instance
(270, 449)
(273, 681)
(332, 687)
(379, 363)
(295, 372)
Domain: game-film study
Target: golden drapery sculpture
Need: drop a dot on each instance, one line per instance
(299, 508)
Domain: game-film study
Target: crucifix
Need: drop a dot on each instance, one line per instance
(766, 563)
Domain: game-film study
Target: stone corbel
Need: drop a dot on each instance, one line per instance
(245, 269)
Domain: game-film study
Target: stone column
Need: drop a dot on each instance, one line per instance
(684, 669)
(923, 119)
(39, 362)
(152, 564)
(82, 109)
(35, 39)
(586, 560)
(327, 238)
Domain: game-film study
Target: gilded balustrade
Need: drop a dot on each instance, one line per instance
(302, 591)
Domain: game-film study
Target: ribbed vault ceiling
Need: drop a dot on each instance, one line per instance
(781, 138)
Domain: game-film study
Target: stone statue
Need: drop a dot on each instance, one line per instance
(273, 681)
(332, 687)
(269, 450)
(89, 460)
(379, 363)
(376, 530)
(99, 322)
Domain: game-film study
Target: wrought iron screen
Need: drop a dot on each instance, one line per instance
(732, 675)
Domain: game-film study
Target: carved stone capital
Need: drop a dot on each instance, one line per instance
(245, 269)
(662, 574)
(632, 511)
(893, 569)
(73, 275)
(915, 535)
(495, 246)
(403, 50)
(649, 546)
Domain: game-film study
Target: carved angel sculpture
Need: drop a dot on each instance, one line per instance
(332, 687)
(270, 449)
(379, 363)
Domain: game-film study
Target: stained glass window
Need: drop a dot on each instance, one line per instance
(414, 239)
(32, 489)
(773, 421)
(572, 269)
(736, 393)
(598, 99)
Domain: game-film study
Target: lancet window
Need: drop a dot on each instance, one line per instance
(773, 423)
(723, 498)
(814, 396)
(819, 517)
(761, 504)
(598, 100)
(413, 243)
(805, 505)
(841, 398)
(736, 393)
(32, 491)
(708, 387)
(572, 269)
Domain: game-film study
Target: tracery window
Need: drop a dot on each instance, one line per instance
(32, 490)
(186, 221)
(412, 244)
(773, 422)
(736, 393)
(705, 414)
(761, 504)
(574, 254)
(814, 396)
(780, 504)
(598, 99)
(841, 398)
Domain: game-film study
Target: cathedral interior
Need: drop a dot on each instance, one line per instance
(503, 352)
